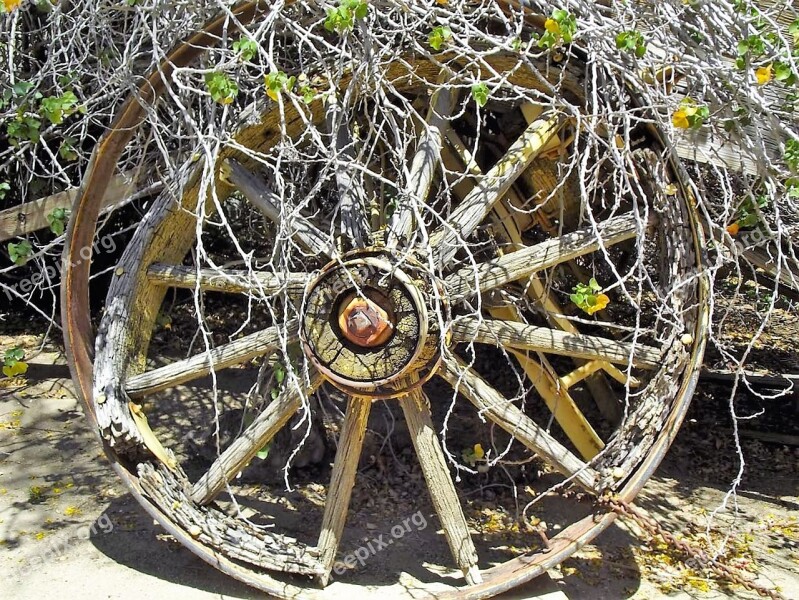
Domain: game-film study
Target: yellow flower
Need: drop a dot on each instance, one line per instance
(552, 26)
(11, 4)
(601, 302)
(763, 75)
(478, 451)
(680, 119)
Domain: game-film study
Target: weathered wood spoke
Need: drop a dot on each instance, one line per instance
(510, 418)
(255, 437)
(342, 482)
(478, 203)
(523, 263)
(416, 409)
(256, 190)
(352, 201)
(258, 283)
(509, 230)
(512, 334)
(233, 353)
(423, 165)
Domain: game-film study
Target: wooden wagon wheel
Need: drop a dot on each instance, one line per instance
(384, 308)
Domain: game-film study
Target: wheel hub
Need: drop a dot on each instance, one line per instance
(370, 323)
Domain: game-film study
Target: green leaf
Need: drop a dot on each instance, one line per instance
(20, 252)
(246, 48)
(342, 18)
(66, 149)
(438, 37)
(56, 108)
(480, 93)
(4, 189)
(23, 127)
(631, 41)
(58, 220)
(361, 10)
(782, 71)
(792, 154)
(280, 373)
(221, 87)
(743, 47)
(13, 355)
(264, 452)
(793, 29)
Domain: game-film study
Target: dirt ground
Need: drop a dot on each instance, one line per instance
(68, 527)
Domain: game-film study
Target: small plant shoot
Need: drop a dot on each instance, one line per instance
(13, 363)
(222, 88)
(342, 18)
(589, 298)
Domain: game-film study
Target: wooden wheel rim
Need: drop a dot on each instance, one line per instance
(79, 342)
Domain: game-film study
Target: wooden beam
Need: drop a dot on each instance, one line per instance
(233, 353)
(492, 187)
(543, 339)
(32, 216)
(510, 418)
(416, 409)
(342, 482)
(231, 281)
(514, 266)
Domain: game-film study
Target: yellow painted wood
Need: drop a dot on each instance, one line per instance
(556, 397)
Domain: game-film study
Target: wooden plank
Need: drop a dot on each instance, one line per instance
(227, 280)
(505, 414)
(416, 409)
(517, 335)
(424, 163)
(342, 482)
(352, 199)
(255, 189)
(239, 454)
(32, 216)
(234, 353)
(756, 379)
(522, 263)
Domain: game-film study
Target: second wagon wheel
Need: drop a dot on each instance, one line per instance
(446, 238)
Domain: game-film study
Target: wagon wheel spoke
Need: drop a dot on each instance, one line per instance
(523, 263)
(258, 192)
(478, 203)
(416, 408)
(260, 432)
(513, 334)
(236, 352)
(342, 481)
(510, 418)
(257, 283)
(352, 201)
(510, 230)
(424, 163)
